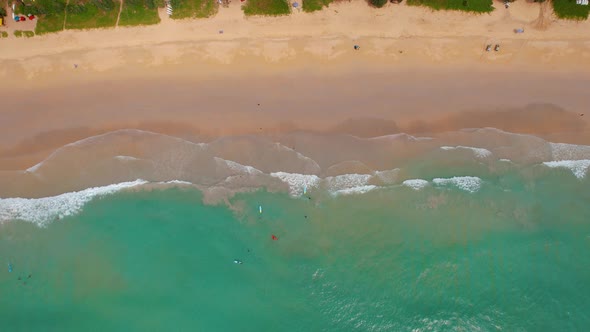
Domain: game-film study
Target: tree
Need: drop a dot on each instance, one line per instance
(104, 5)
(378, 3)
(2, 12)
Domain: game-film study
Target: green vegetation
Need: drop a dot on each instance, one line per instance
(139, 12)
(91, 14)
(568, 9)
(3, 34)
(377, 3)
(476, 6)
(50, 14)
(3, 5)
(267, 7)
(20, 33)
(313, 5)
(193, 8)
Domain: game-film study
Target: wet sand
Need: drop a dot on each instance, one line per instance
(275, 75)
(357, 102)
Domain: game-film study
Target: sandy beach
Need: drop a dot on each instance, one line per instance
(417, 71)
(273, 177)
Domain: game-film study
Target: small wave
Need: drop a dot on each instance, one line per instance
(387, 176)
(237, 167)
(92, 140)
(467, 183)
(34, 168)
(415, 184)
(478, 152)
(179, 182)
(506, 160)
(564, 151)
(355, 190)
(400, 136)
(347, 181)
(42, 211)
(349, 184)
(125, 158)
(578, 167)
(297, 182)
(337, 185)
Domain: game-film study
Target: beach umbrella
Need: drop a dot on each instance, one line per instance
(295, 4)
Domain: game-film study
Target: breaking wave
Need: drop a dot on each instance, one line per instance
(578, 167)
(296, 163)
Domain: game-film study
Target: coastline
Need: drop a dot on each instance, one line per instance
(185, 79)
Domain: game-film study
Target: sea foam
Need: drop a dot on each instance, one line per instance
(237, 167)
(415, 184)
(564, 151)
(466, 183)
(346, 181)
(578, 167)
(478, 152)
(121, 158)
(354, 190)
(297, 182)
(42, 211)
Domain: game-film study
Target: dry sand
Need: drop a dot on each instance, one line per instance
(417, 71)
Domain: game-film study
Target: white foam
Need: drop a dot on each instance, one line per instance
(180, 182)
(564, 151)
(237, 167)
(34, 168)
(478, 152)
(578, 167)
(347, 181)
(415, 184)
(355, 190)
(42, 211)
(466, 183)
(400, 136)
(93, 139)
(506, 160)
(125, 158)
(297, 182)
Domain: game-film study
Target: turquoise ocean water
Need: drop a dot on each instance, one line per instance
(510, 254)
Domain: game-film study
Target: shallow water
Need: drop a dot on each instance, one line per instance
(491, 245)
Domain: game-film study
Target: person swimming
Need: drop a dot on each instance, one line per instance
(237, 261)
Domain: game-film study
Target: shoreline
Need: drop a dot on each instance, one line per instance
(184, 78)
(341, 164)
(227, 104)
